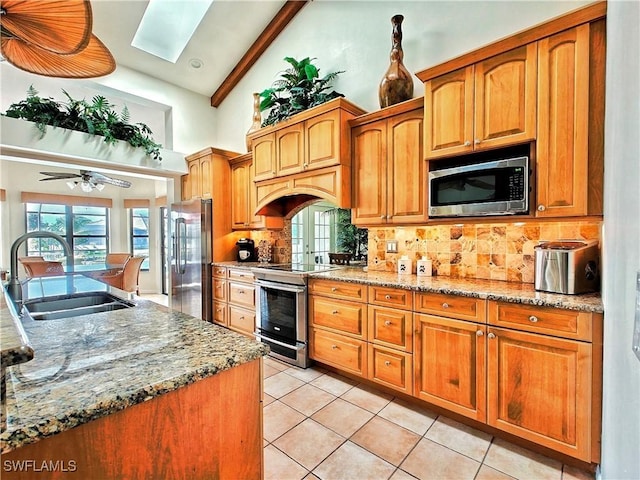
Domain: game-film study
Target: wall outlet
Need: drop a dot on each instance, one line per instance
(392, 246)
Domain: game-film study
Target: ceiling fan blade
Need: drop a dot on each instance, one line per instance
(94, 61)
(100, 178)
(59, 26)
(58, 176)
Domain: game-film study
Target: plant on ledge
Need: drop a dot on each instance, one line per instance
(298, 88)
(96, 118)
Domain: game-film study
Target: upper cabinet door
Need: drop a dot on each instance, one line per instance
(406, 182)
(505, 98)
(448, 114)
(563, 124)
(290, 149)
(206, 180)
(264, 156)
(240, 195)
(323, 140)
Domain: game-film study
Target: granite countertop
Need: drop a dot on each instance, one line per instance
(486, 289)
(14, 344)
(89, 367)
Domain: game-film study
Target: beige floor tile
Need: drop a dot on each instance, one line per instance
(269, 371)
(277, 466)
(351, 462)
(429, 461)
(573, 473)
(278, 419)
(521, 463)
(342, 417)
(309, 443)
(306, 374)
(334, 384)
(402, 475)
(367, 398)
(308, 399)
(387, 440)
(311, 476)
(488, 473)
(277, 364)
(280, 384)
(267, 399)
(409, 416)
(461, 438)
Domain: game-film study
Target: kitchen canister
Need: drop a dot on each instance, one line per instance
(404, 265)
(424, 267)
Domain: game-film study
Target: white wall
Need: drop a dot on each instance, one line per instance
(355, 36)
(621, 415)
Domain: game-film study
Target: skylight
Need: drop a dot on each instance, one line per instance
(167, 26)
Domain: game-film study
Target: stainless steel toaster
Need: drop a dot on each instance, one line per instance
(567, 266)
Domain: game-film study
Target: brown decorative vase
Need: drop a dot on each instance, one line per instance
(257, 118)
(396, 85)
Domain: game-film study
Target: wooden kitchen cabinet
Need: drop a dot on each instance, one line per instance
(290, 150)
(241, 297)
(205, 168)
(338, 351)
(264, 156)
(389, 172)
(485, 105)
(220, 288)
(390, 367)
(570, 106)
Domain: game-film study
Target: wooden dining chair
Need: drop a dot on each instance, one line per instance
(127, 278)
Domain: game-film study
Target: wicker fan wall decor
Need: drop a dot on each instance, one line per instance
(53, 38)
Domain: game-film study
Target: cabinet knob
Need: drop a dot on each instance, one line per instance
(387, 322)
(479, 333)
(467, 143)
(445, 305)
(541, 208)
(383, 217)
(387, 297)
(491, 335)
(241, 292)
(533, 319)
(334, 347)
(273, 172)
(335, 312)
(477, 141)
(387, 363)
(334, 289)
(305, 165)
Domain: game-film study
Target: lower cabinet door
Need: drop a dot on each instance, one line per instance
(449, 364)
(242, 320)
(540, 389)
(390, 368)
(220, 313)
(339, 351)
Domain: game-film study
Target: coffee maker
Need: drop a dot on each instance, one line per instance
(246, 250)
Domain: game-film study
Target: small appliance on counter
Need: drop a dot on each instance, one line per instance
(246, 250)
(567, 266)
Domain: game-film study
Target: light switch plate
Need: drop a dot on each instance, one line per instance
(392, 246)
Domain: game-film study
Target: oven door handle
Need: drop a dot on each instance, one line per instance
(281, 286)
(282, 344)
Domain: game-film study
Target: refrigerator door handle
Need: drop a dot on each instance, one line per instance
(181, 227)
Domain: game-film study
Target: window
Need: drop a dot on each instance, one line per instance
(140, 234)
(83, 227)
(313, 234)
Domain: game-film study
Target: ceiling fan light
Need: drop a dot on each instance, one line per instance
(99, 186)
(71, 184)
(86, 187)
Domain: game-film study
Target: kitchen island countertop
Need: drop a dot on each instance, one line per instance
(88, 367)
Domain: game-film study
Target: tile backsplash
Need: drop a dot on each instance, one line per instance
(500, 251)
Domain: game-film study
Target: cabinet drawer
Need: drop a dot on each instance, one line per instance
(390, 368)
(241, 275)
(220, 313)
(344, 290)
(339, 351)
(391, 327)
(339, 315)
(241, 319)
(220, 290)
(549, 320)
(452, 306)
(219, 272)
(242, 294)
(391, 297)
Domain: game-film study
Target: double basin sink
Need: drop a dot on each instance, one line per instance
(73, 305)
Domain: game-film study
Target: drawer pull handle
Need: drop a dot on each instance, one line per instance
(335, 312)
(491, 335)
(387, 297)
(387, 363)
(445, 305)
(334, 347)
(387, 322)
(241, 292)
(479, 333)
(533, 319)
(241, 318)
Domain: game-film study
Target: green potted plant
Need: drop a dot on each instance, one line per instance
(96, 118)
(299, 87)
(349, 238)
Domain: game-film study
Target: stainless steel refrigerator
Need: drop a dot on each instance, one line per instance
(191, 257)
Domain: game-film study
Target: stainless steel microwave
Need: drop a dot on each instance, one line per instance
(499, 187)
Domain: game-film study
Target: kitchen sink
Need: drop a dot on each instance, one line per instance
(75, 305)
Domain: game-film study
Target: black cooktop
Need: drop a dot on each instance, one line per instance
(299, 267)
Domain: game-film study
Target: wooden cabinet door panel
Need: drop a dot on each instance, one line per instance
(241, 275)
(448, 114)
(449, 365)
(220, 313)
(242, 294)
(369, 174)
(452, 306)
(264, 156)
(242, 320)
(563, 119)
(406, 173)
(343, 290)
(391, 297)
(540, 389)
(339, 351)
(390, 367)
(322, 140)
(206, 178)
(220, 289)
(220, 272)
(391, 327)
(505, 98)
(240, 195)
(342, 316)
(290, 149)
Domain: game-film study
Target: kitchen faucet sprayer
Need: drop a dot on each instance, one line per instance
(14, 287)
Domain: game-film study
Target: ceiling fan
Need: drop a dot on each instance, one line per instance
(88, 180)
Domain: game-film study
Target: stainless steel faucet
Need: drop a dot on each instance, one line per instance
(14, 287)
